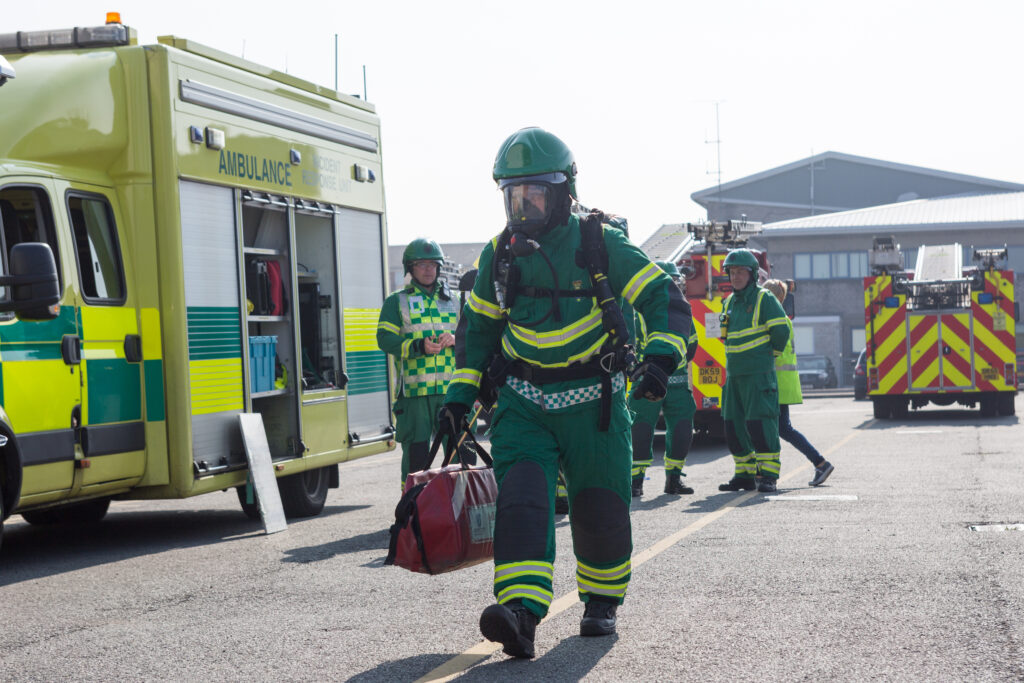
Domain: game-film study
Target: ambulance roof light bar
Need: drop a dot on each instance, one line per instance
(113, 34)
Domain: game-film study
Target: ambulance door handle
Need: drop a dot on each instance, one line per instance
(71, 349)
(133, 348)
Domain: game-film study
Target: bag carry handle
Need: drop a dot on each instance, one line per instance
(450, 450)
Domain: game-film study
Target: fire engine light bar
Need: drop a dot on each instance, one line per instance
(65, 39)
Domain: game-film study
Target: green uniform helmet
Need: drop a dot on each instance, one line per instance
(421, 249)
(536, 173)
(670, 268)
(743, 258)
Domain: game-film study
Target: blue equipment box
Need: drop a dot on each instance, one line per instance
(262, 352)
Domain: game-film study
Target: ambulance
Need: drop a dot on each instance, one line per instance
(706, 286)
(185, 237)
(941, 333)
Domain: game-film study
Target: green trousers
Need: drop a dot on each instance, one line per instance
(529, 446)
(416, 420)
(679, 408)
(750, 409)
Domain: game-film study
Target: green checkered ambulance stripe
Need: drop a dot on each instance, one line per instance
(214, 359)
(365, 364)
(523, 580)
(611, 582)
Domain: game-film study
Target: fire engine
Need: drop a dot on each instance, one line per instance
(706, 288)
(942, 333)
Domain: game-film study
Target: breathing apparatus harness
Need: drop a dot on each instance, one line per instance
(615, 356)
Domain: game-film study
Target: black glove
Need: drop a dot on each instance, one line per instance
(451, 420)
(650, 380)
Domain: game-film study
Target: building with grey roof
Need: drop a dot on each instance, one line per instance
(834, 182)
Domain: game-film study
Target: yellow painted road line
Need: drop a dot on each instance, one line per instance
(484, 649)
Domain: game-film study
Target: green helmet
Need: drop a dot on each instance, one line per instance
(669, 267)
(743, 258)
(534, 152)
(421, 249)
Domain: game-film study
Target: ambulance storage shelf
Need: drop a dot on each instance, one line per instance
(272, 392)
(259, 251)
(266, 318)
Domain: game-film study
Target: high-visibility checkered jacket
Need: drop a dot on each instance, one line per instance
(409, 316)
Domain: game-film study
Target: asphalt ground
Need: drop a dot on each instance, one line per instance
(877, 575)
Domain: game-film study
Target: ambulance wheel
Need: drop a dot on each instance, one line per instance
(881, 408)
(1, 518)
(251, 510)
(304, 494)
(1006, 404)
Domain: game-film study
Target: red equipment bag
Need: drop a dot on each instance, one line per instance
(277, 300)
(445, 519)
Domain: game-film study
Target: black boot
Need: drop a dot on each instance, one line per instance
(561, 505)
(512, 625)
(598, 618)
(674, 485)
(738, 484)
(767, 485)
(638, 485)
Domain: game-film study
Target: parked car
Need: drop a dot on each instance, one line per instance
(816, 372)
(860, 377)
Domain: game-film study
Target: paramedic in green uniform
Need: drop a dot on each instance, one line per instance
(561, 402)
(417, 327)
(678, 407)
(754, 330)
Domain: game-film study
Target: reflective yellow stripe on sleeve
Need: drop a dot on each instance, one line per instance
(643, 278)
(484, 307)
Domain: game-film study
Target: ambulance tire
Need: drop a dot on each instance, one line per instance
(251, 510)
(1, 517)
(881, 408)
(89, 512)
(304, 494)
(1006, 404)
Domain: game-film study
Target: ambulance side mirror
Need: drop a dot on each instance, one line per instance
(35, 289)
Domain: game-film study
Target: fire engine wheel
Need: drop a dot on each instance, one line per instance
(900, 409)
(881, 408)
(304, 494)
(988, 406)
(89, 512)
(1006, 404)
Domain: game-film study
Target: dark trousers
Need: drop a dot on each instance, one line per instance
(796, 439)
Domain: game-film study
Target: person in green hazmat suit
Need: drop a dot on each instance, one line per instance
(755, 330)
(544, 308)
(417, 328)
(678, 407)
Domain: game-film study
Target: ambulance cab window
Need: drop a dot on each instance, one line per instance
(25, 216)
(99, 258)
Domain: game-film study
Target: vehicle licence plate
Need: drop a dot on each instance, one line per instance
(709, 375)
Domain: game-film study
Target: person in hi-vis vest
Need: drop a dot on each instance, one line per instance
(417, 328)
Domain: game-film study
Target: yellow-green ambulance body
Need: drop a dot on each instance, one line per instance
(218, 233)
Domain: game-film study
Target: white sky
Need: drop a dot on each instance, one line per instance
(630, 86)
